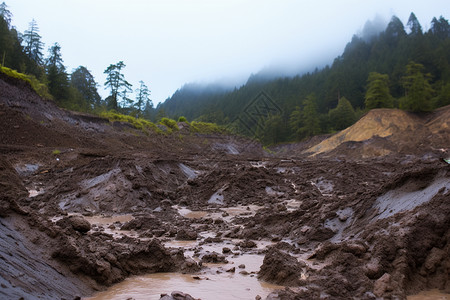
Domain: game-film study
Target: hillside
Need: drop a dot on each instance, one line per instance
(387, 131)
(388, 53)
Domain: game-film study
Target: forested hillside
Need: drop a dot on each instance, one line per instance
(402, 66)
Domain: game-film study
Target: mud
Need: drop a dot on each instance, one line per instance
(114, 202)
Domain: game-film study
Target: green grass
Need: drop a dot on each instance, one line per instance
(169, 123)
(137, 123)
(206, 128)
(56, 152)
(40, 88)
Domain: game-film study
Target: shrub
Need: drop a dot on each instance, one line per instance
(40, 88)
(169, 123)
(182, 119)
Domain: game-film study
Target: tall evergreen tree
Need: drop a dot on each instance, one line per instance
(418, 89)
(83, 81)
(33, 44)
(115, 80)
(311, 122)
(58, 82)
(414, 25)
(142, 97)
(377, 94)
(343, 115)
(5, 14)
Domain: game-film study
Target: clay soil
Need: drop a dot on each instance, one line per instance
(365, 218)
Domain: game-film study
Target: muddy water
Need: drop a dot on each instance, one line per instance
(213, 282)
(212, 286)
(430, 295)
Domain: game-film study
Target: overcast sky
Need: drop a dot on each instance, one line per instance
(167, 43)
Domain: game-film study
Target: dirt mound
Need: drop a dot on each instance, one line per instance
(384, 131)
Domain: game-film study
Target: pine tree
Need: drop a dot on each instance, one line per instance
(33, 44)
(310, 116)
(377, 94)
(414, 25)
(5, 14)
(58, 82)
(115, 80)
(83, 81)
(142, 97)
(343, 115)
(418, 89)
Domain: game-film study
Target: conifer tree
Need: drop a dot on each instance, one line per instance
(377, 94)
(418, 90)
(343, 115)
(115, 80)
(33, 44)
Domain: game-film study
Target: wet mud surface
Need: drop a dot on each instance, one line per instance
(198, 213)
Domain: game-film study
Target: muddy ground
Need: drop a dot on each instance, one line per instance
(358, 221)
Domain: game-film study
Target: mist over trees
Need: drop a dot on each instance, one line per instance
(385, 66)
(398, 67)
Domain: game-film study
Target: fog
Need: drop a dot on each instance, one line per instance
(168, 43)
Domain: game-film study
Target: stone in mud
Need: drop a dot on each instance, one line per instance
(77, 223)
(176, 295)
(214, 257)
(190, 266)
(433, 259)
(247, 244)
(382, 285)
(186, 235)
(281, 268)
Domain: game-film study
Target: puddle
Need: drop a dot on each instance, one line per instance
(214, 282)
(102, 220)
(231, 212)
(211, 286)
(399, 200)
(430, 295)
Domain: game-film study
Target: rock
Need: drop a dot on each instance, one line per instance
(226, 250)
(214, 257)
(77, 223)
(247, 244)
(241, 266)
(281, 268)
(186, 235)
(373, 269)
(382, 285)
(433, 259)
(176, 295)
(232, 270)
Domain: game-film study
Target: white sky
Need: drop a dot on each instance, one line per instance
(167, 43)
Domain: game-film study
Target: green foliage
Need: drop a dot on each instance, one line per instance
(418, 89)
(56, 152)
(40, 88)
(169, 123)
(206, 128)
(115, 80)
(182, 119)
(378, 94)
(311, 123)
(343, 115)
(138, 123)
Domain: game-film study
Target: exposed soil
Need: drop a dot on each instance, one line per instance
(366, 217)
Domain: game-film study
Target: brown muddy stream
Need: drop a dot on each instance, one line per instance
(213, 282)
